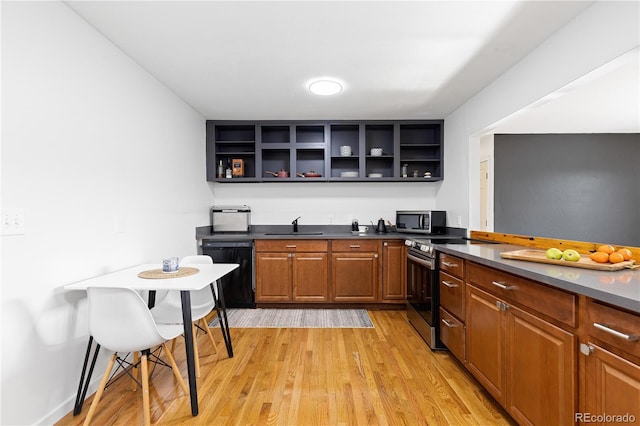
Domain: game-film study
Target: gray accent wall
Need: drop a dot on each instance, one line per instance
(583, 187)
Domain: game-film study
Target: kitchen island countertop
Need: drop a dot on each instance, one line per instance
(618, 288)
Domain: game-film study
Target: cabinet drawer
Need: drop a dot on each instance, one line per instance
(452, 294)
(355, 245)
(452, 334)
(618, 328)
(291, 245)
(453, 265)
(549, 301)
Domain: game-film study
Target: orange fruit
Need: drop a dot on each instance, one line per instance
(606, 248)
(626, 253)
(615, 258)
(599, 256)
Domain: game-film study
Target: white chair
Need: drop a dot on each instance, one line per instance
(169, 309)
(120, 321)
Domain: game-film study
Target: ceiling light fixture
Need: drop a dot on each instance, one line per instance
(325, 87)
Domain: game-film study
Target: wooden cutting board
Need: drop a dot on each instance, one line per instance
(584, 262)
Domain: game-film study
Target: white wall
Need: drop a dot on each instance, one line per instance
(109, 168)
(602, 33)
(325, 203)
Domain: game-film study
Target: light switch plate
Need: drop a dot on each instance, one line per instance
(12, 221)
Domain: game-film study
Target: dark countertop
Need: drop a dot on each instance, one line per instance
(309, 232)
(619, 288)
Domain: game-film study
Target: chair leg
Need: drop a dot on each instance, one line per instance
(195, 349)
(134, 373)
(174, 367)
(103, 383)
(173, 344)
(146, 406)
(206, 327)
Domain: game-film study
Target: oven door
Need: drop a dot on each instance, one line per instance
(422, 297)
(420, 284)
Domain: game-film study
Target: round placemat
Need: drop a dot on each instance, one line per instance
(156, 274)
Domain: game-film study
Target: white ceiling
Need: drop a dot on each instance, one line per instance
(253, 60)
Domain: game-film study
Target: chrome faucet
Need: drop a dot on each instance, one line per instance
(295, 224)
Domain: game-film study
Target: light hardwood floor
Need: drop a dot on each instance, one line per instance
(295, 376)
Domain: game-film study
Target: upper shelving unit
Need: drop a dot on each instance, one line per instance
(353, 151)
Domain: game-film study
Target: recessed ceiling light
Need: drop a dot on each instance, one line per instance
(325, 87)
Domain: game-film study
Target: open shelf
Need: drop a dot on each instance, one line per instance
(303, 147)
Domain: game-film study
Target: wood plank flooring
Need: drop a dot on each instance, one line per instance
(385, 375)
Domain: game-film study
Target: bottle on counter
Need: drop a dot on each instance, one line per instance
(220, 170)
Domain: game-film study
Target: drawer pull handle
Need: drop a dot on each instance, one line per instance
(627, 337)
(450, 285)
(448, 324)
(291, 246)
(355, 246)
(502, 285)
(449, 264)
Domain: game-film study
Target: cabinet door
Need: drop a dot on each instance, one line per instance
(541, 370)
(612, 387)
(485, 340)
(310, 271)
(354, 277)
(273, 277)
(393, 280)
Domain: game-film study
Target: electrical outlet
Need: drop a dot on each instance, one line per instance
(12, 221)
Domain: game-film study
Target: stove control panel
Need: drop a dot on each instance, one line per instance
(421, 246)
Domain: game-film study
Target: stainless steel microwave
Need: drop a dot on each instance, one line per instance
(421, 221)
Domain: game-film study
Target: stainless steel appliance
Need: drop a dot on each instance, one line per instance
(231, 218)
(237, 286)
(423, 298)
(421, 221)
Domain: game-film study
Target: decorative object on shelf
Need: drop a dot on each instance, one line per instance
(281, 174)
(345, 151)
(349, 174)
(310, 174)
(416, 173)
(375, 175)
(376, 152)
(237, 165)
(405, 170)
(427, 174)
(220, 174)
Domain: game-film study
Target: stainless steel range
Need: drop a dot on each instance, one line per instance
(423, 297)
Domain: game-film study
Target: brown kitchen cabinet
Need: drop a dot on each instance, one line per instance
(291, 271)
(394, 287)
(611, 361)
(355, 270)
(452, 307)
(526, 359)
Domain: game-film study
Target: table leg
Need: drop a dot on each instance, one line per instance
(224, 323)
(185, 296)
(84, 381)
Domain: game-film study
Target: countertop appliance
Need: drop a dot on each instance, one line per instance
(231, 218)
(421, 221)
(423, 296)
(238, 286)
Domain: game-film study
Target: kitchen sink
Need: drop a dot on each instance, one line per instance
(293, 233)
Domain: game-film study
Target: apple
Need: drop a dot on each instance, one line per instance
(571, 255)
(554, 253)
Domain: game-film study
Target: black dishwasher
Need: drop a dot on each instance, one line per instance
(238, 288)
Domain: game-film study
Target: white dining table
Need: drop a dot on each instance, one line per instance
(207, 274)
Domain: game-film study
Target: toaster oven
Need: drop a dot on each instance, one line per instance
(231, 218)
